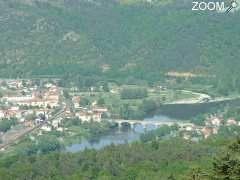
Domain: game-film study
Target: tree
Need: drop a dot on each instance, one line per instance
(195, 174)
(134, 93)
(171, 177)
(198, 120)
(5, 125)
(84, 101)
(48, 143)
(100, 101)
(148, 106)
(227, 164)
(105, 87)
(125, 111)
(66, 94)
(30, 117)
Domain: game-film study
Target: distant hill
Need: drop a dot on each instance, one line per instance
(131, 38)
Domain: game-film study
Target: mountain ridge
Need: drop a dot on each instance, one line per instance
(135, 41)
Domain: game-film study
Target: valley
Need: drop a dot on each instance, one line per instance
(119, 90)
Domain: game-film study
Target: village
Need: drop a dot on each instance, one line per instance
(42, 106)
(38, 105)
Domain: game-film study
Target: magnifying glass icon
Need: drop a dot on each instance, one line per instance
(233, 5)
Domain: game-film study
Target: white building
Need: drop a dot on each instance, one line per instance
(56, 123)
(2, 114)
(46, 128)
(216, 121)
(84, 116)
(231, 122)
(18, 98)
(189, 128)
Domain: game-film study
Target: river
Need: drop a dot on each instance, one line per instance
(118, 136)
(168, 113)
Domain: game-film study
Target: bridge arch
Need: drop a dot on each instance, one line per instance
(125, 124)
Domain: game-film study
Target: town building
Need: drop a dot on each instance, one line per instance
(231, 122)
(206, 132)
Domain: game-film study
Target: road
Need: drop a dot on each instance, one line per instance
(202, 98)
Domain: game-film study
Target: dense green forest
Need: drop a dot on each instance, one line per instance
(124, 40)
(167, 159)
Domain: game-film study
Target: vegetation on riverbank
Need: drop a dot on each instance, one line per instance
(91, 131)
(168, 159)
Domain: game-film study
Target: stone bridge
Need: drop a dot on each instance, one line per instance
(146, 123)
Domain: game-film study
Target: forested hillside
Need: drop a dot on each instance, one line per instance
(131, 39)
(173, 159)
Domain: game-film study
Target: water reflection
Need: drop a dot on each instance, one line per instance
(118, 136)
(140, 129)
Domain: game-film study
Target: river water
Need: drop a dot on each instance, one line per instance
(112, 138)
(118, 136)
(172, 113)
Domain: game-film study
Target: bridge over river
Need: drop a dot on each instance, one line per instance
(145, 123)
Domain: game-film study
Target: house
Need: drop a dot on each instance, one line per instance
(48, 85)
(84, 116)
(21, 120)
(33, 102)
(39, 102)
(231, 121)
(18, 98)
(94, 103)
(216, 121)
(68, 113)
(2, 114)
(60, 129)
(206, 132)
(97, 116)
(56, 123)
(46, 128)
(186, 136)
(101, 110)
(51, 97)
(189, 128)
(76, 101)
(91, 115)
(52, 103)
(105, 67)
(48, 99)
